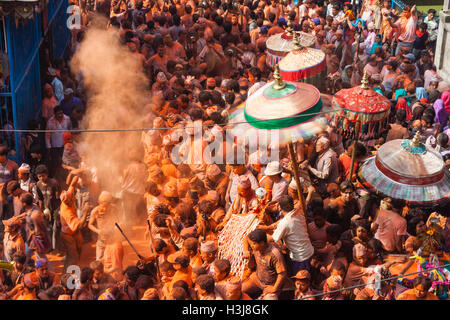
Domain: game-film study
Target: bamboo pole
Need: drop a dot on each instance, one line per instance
(297, 176)
(352, 164)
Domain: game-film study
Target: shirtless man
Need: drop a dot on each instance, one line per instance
(102, 220)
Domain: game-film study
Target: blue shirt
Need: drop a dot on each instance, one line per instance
(67, 108)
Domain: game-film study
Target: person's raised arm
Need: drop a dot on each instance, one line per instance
(92, 223)
(71, 190)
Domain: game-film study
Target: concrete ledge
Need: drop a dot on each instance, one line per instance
(442, 56)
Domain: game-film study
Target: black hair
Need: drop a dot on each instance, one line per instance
(173, 10)
(346, 185)
(193, 195)
(186, 213)
(160, 244)
(258, 236)
(272, 17)
(234, 86)
(86, 274)
(227, 26)
(400, 115)
(286, 203)
(57, 109)
(223, 265)
(162, 208)
(204, 97)
(255, 72)
(216, 117)
(424, 281)
(216, 98)
(160, 220)
(442, 139)
(132, 272)
(315, 203)
(375, 245)
(230, 97)
(319, 212)
(151, 25)
(129, 35)
(178, 293)
(181, 284)
(205, 207)
(397, 204)
(364, 223)
(27, 198)
(199, 270)
(182, 260)
(196, 113)
(166, 266)
(412, 224)
(19, 257)
(191, 243)
(218, 20)
(161, 20)
(334, 230)
(144, 282)
(430, 113)
(415, 212)
(33, 124)
(206, 282)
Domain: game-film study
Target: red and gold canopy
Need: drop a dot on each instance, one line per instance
(304, 64)
(363, 106)
(408, 170)
(293, 109)
(280, 44)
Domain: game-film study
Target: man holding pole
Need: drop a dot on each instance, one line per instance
(326, 165)
(292, 229)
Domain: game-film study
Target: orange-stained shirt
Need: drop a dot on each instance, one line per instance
(29, 296)
(182, 275)
(70, 224)
(196, 261)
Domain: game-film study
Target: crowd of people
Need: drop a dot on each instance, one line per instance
(203, 59)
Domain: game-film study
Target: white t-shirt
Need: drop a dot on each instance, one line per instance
(294, 231)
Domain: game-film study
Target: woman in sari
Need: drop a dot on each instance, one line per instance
(402, 104)
(442, 109)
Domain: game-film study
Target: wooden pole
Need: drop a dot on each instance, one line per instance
(158, 274)
(352, 164)
(297, 176)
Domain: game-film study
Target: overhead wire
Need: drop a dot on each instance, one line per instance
(230, 123)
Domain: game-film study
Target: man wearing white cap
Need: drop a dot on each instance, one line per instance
(208, 250)
(25, 180)
(238, 171)
(70, 102)
(273, 181)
